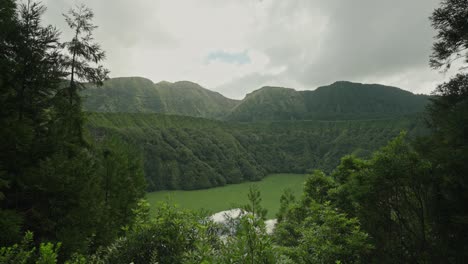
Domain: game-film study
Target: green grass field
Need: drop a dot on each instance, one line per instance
(231, 196)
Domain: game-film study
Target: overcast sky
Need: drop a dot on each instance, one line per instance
(237, 46)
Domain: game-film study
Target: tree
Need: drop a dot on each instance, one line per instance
(83, 51)
(286, 200)
(80, 64)
(249, 242)
(317, 187)
(254, 206)
(25, 252)
(123, 185)
(51, 179)
(447, 147)
(452, 38)
(39, 58)
(391, 197)
(316, 232)
(167, 238)
(29, 77)
(330, 237)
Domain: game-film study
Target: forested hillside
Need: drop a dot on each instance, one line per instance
(140, 95)
(193, 153)
(338, 101)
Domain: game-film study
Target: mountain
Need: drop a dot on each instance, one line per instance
(140, 95)
(190, 99)
(340, 100)
(269, 103)
(184, 151)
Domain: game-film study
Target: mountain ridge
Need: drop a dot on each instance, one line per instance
(339, 100)
(141, 95)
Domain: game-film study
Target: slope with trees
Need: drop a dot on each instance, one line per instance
(140, 95)
(338, 101)
(193, 153)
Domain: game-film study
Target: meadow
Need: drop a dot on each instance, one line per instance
(233, 195)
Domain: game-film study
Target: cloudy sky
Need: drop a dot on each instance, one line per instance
(237, 46)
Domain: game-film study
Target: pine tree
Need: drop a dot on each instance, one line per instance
(82, 62)
(81, 65)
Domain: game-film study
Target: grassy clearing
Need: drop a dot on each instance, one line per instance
(231, 196)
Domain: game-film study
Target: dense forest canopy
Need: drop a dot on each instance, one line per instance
(195, 153)
(72, 183)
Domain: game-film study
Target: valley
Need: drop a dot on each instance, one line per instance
(307, 165)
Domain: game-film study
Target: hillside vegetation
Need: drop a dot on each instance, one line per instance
(195, 153)
(338, 101)
(140, 95)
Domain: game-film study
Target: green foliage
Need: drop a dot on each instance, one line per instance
(25, 252)
(447, 149)
(447, 146)
(317, 186)
(67, 200)
(122, 184)
(329, 236)
(141, 214)
(254, 207)
(167, 238)
(192, 153)
(286, 200)
(10, 224)
(391, 195)
(18, 253)
(81, 63)
(250, 244)
(48, 253)
(50, 174)
(312, 230)
(247, 240)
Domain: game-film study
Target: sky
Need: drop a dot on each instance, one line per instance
(237, 46)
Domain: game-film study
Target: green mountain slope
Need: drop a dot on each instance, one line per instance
(188, 98)
(192, 153)
(126, 95)
(338, 101)
(140, 95)
(269, 103)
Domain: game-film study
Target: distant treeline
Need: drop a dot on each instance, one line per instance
(194, 153)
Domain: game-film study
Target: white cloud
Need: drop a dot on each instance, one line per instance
(301, 44)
